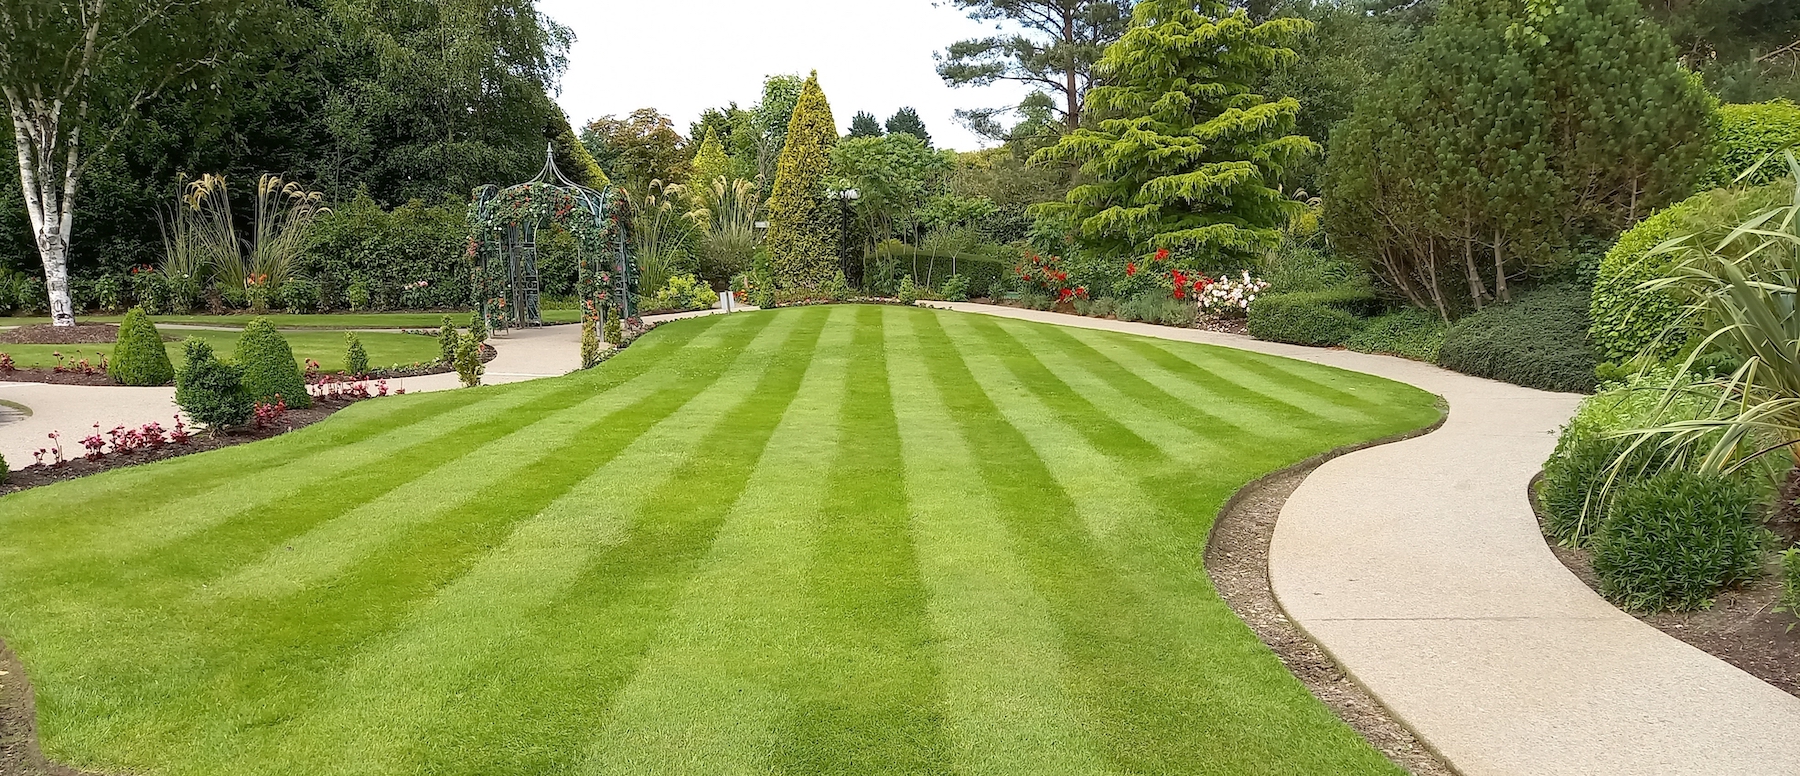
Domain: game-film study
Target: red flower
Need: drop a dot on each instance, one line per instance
(1162, 254)
(1130, 268)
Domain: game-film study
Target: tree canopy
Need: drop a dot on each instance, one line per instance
(1055, 48)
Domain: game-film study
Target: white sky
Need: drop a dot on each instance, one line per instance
(684, 56)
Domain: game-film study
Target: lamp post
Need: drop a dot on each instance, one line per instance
(847, 197)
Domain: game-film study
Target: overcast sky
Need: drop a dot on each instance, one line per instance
(684, 56)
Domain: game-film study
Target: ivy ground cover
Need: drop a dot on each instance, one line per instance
(844, 540)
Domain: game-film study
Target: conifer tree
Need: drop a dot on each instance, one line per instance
(710, 162)
(1185, 155)
(864, 124)
(805, 223)
(907, 121)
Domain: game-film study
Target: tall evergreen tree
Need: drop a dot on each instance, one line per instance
(1185, 155)
(805, 222)
(907, 121)
(1054, 49)
(864, 124)
(710, 162)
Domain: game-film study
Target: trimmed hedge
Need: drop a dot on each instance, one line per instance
(1673, 540)
(269, 367)
(1414, 334)
(139, 358)
(1747, 134)
(211, 391)
(1318, 318)
(1540, 340)
(1626, 321)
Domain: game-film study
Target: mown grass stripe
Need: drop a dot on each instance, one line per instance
(1149, 675)
(869, 630)
(1202, 414)
(593, 639)
(1005, 676)
(1300, 389)
(414, 670)
(709, 693)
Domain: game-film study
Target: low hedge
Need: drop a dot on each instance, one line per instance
(1674, 540)
(1540, 340)
(1748, 134)
(1319, 318)
(1411, 333)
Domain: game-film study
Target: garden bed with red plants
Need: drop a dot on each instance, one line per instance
(65, 458)
(1742, 627)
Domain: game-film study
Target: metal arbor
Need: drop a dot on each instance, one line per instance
(503, 247)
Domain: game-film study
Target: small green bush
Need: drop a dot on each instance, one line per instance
(468, 361)
(1176, 312)
(837, 289)
(358, 295)
(301, 296)
(1098, 308)
(447, 339)
(683, 292)
(1318, 318)
(139, 358)
(907, 293)
(1672, 541)
(211, 391)
(151, 289)
(1411, 333)
(477, 328)
(4, 470)
(590, 343)
(1540, 340)
(956, 288)
(356, 359)
(1748, 134)
(1790, 577)
(269, 367)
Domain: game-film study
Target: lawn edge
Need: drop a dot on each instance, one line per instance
(1241, 580)
(20, 753)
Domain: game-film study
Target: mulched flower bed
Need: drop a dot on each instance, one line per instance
(1742, 627)
(48, 334)
(76, 466)
(95, 374)
(36, 375)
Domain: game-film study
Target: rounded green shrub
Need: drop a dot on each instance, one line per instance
(1319, 318)
(4, 470)
(1411, 333)
(956, 288)
(269, 366)
(447, 339)
(301, 296)
(468, 361)
(1628, 322)
(356, 359)
(1539, 340)
(1674, 540)
(139, 358)
(1747, 135)
(907, 293)
(211, 391)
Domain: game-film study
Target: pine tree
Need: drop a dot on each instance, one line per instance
(710, 162)
(907, 121)
(1185, 156)
(865, 125)
(805, 225)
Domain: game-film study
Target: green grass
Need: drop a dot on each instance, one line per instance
(831, 540)
(326, 347)
(322, 321)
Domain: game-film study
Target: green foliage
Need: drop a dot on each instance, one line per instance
(956, 288)
(864, 124)
(906, 121)
(1540, 340)
(1674, 540)
(710, 162)
(468, 361)
(300, 295)
(590, 343)
(139, 358)
(907, 293)
(805, 226)
(615, 332)
(1320, 318)
(1054, 44)
(268, 365)
(683, 292)
(5, 472)
(356, 359)
(895, 176)
(1506, 135)
(211, 391)
(1298, 266)
(637, 149)
(838, 289)
(1790, 578)
(1187, 155)
(447, 340)
(372, 258)
(1630, 321)
(1415, 334)
(1748, 135)
(478, 327)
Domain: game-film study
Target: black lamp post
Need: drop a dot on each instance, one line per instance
(847, 197)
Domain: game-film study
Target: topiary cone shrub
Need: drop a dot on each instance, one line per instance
(139, 357)
(356, 359)
(211, 391)
(805, 223)
(269, 366)
(468, 361)
(590, 343)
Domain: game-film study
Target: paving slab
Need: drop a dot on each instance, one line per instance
(1420, 567)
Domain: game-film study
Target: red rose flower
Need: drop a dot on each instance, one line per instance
(1130, 268)
(1162, 254)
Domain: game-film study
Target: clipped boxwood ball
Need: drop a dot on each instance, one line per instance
(139, 357)
(269, 366)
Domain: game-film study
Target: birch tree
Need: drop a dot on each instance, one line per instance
(74, 73)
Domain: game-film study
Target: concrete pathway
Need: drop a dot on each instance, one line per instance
(1419, 566)
(72, 410)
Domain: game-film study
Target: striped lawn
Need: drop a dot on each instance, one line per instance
(833, 540)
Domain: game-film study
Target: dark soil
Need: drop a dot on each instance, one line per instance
(48, 334)
(1742, 627)
(19, 752)
(36, 375)
(76, 466)
(1237, 559)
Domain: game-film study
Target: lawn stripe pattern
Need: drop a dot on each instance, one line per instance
(835, 540)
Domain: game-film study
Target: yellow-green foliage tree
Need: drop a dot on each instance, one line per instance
(710, 162)
(805, 225)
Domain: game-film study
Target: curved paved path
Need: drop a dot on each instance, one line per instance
(73, 410)
(1419, 566)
